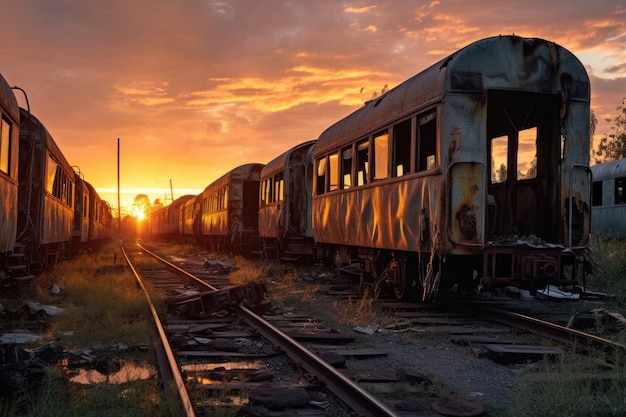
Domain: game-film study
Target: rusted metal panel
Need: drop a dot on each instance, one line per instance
(43, 218)
(56, 223)
(467, 203)
(8, 214)
(8, 180)
(401, 214)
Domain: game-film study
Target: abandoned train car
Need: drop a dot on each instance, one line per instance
(166, 221)
(608, 212)
(46, 193)
(228, 210)
(285, 225)
(473, 171)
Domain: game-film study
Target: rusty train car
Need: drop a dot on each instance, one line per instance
(41, 217)
(223, 217)
(166, 220)
(228, 210)
(608, 208)
(92, 215)
(285, 218)
(474, 172)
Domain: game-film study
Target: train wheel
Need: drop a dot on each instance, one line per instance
(403, 286)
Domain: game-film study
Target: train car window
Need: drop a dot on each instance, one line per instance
(85, 205)
(596, 194)
(5, 151)
(527, 154)
(402, 148)
(427, 140)
(51, 175)
(333, 175)
(279, 187)
(381, 155)
(362, 162)
(346, 168)
(499, 159)
(620, 198)
(320, 177)
(262, 194)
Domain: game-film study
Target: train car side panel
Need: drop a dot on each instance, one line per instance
(9, 153)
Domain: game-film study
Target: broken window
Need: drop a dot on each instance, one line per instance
(346, 168)
(362, 155)
(527, 154)
(499, 159)
(401, 148)
(596, 193)
(427, 140)
(320, 176)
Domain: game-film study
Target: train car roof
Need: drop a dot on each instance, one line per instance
(27, 118)
(8, 101)
(611, 169)
(241, 173)
(491, 63)
(278, 164)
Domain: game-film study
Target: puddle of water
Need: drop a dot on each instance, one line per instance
(129, 372)
(198, 372)
(228, 366)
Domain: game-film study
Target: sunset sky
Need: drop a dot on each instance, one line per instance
(194, 88)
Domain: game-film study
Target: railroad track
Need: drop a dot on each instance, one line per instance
(476, 326)
(311, 372)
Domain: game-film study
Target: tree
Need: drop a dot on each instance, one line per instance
(612, 146)
(141, 206)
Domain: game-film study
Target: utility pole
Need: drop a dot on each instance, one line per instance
(119, 209)
(171, 190)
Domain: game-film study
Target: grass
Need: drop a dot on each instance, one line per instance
(103, 306)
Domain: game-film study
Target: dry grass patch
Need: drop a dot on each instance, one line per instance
(101, 299)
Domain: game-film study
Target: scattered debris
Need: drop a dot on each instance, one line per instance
(598, 319)
(552, 291)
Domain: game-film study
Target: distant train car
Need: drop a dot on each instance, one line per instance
(9, 153)
(229, 210)
(608, 213)
(100, 217)
(474, 171)
(92, 215)
(166, 220)
(285, 204)
(190, 218)
(46, 194)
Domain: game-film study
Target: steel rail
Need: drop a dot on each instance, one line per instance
(348, 391)
(355, 397)
(176, 375)
(178, 269)
(537, 326)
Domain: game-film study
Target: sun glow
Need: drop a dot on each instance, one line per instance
(138, 214)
